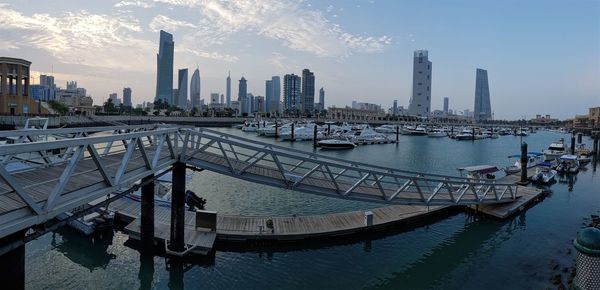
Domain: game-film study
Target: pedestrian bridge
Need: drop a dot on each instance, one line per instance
(47, 172)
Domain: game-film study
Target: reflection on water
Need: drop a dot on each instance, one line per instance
(568, 179)
(87, 251)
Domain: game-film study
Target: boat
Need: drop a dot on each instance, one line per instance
(412, 130)
(465, 134)
(568, 164)
(480, 172)
(306, 132)
(584, 159)
(436, 133)
(364, 134)
(555, 150)
(523, 132)
(533, 159)
(250, 127)
(336, 144)
(386, 129)
(543, 174)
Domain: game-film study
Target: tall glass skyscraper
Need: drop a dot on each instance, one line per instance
(164, 68)
(195, 89)
(268, 94)
(276, 95)
(308, 92)
(127, 97)
(243, 96)
(292, 93)
(483, 108)
(228, 90)
(182, 86)
(420, 102)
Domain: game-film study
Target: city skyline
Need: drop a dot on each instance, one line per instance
(108, 46)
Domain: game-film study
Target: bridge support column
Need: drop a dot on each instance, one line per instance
(12, 264)
(147, 215)
(178, 208)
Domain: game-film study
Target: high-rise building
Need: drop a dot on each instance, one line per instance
(182, 86)
(260, 104)
(446, 104)
(127, 97)
(174, 96)
(222, 99)
(321, 99)
(114, 99)
(291, 93)
(275, 95)
(195, 89)
(483, 108)
(268, 94)
(214, 99)
(420, 102)
(243, 96)
(164, 68)
(395, 108)
(308, 92)
(228, 90)
(251, 104)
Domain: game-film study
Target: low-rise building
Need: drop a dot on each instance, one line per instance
(350, 114)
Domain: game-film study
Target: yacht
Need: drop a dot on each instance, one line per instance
(555, 150)
(523, 132)
(364, 134)
(386, 129)
(412, 130)
(250, 127)
(306, 132)
(336, 144)
(436, 133)
(480, 172)
(465, 134)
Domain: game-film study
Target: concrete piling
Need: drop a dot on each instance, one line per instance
(523, 163)
(178, 208)
(293, 138)
(147, 214)
(315, 137)
(12, 264)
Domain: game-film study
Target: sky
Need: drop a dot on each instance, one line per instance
(542, 57)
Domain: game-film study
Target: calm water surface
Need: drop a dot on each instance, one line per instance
(456, 252)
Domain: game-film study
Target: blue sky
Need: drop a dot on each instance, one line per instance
(542, 57)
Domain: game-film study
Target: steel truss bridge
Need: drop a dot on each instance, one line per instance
(44, 173)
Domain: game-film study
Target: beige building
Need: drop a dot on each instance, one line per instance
(594, 116)
(349, 114)
(14, 88)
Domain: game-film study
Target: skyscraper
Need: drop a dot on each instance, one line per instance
(321, 99)
(228, 90)
(395, 108)
(214, 99)
(308, 92)
(446, 101)
(195, 89)
(164, 68)
(483, 108)
(222, 100)
(127, 97)
(292, 93)
(276, 95)
(182, 86)
(420, 102)
(268, 94)
(243, 96)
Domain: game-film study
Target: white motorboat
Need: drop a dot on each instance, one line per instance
(365, 134)
(523, 132)
(543, 174)
(480, 172)
(336, 144)
(386, 129)
(250, 127)
(533, 159)
(584, 159)
(412, 130)
(555, 150)
(306, 132)
(568, 164)
(436, 133)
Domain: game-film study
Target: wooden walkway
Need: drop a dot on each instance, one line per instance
(240, 228)
(198, 241)
(528, 195)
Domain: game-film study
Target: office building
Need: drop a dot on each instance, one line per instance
(483, 108)
(291, 93)
(308, 92)
(182, 87)
(164, 68)
(127, 97)
(195, 89)
(420, 102)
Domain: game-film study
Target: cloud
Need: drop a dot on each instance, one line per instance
(298, 27)
(81, 38)
(161, 22)
(206, 54)
(141, 4)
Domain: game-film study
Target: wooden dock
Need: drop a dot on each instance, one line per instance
(284, 228)
(528, 195)
(197, 240)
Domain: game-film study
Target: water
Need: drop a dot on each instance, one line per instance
(459, 251)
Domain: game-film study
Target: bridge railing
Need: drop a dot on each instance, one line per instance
(304, 171)
(84, 169)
